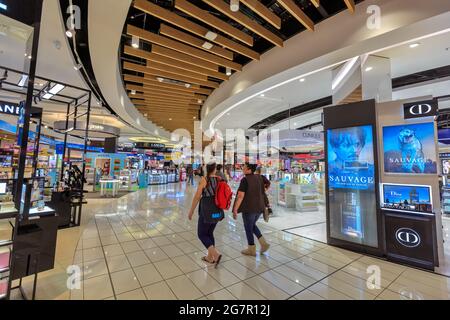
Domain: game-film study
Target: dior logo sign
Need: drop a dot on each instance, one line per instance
(407, 237)
(420, 109)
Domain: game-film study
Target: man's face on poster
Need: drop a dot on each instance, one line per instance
(349, 148)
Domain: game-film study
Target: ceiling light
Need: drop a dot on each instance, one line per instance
(414, 45)
(262, 95)
(211, 36)
(26, 54)
(3, 6)
(135, 42)
(302, 80)
(187, 85)
(29, 57)
(207, 45)
(369, 69)
(194, 118)
(23, 80)
(133, 92)
(46, 127)
(234, 5)
(199, 101)
(70, 33)
(47, 96)
(228, 71)
(56, 88)
(145, 114)
(160, 79)
(170, 119)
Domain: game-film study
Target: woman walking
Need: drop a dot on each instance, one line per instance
(250, 202)
(206, 223)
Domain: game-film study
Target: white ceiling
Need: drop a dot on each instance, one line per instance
(432, 53)
(55, 61)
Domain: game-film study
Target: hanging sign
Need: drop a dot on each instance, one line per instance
(420, 109)
(10, 108)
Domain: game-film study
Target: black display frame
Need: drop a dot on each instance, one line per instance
(345, 116)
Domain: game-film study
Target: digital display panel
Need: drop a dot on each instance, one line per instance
(412, 198)
(351, 158)
(410, 149)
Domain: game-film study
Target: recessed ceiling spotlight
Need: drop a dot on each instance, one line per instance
(302, 80)
(70, 33)
(369, 69)
(262, 95)
(199, 101)
(133, 92)
(46, 127)
(194, 118)
(160, 79)
(414, 45)
(170, 119)
(187, 85)
(135, 42)
(29, 57)
(207, 45)
(234, 5)
(228, 71)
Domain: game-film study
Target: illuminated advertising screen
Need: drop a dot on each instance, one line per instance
(351, 158)
(351, 181)
(412, 198)
(410, 149)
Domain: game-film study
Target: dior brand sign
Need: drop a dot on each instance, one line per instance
(408, 237)
(420, 109)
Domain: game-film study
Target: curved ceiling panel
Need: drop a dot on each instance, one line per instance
(176, 53)
(106, 20)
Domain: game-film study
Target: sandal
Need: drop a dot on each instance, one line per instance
(218, 261)
(206, 260)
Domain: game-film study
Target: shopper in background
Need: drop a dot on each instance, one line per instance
(266, 198)
(220, 173)
(250, 202)
(190, 174)
(205, 229)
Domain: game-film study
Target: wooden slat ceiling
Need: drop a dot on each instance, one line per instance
(187, 48)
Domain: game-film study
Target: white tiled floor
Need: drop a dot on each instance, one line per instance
(142, 246)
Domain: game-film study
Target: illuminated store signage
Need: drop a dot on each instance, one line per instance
(9, 108)
(420, 109)
(410, 148)
(407, 237)
(351, 170)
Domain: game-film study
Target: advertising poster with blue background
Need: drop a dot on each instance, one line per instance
(410, 149)
(351, 158)
(400, 194)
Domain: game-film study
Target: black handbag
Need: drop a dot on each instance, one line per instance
(209, 211)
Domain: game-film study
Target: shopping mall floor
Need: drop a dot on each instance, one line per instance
(142, 246)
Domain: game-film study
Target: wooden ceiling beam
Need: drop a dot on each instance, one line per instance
(152, 57)
(185, 24)
(264, 12)
(158, 73)
(176, 70)
(316, 3)
(350, 5)
(194, 41)
(297, 13)
(164, 86)
(213, 21)
(178, 46)
(169, 53)
(244, 20)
